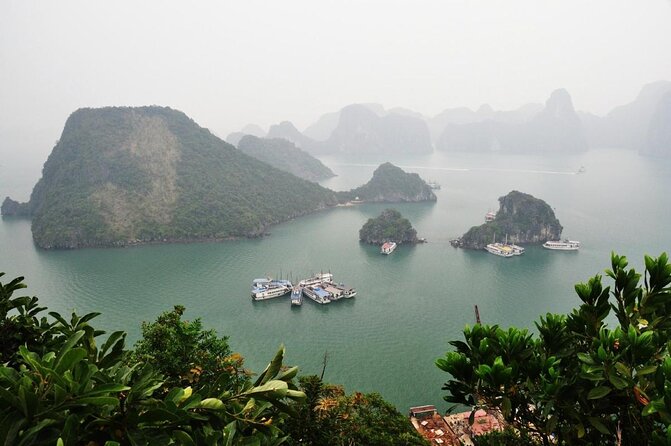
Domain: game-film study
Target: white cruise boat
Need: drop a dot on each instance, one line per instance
(316, 279)
(263, 289)
(562, 245)
(500, 249)
(318, 294)
(517, 250)
(387, 248)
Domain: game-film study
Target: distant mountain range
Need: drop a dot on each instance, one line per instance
(553, 127)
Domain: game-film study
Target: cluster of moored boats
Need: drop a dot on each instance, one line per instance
(320, 288)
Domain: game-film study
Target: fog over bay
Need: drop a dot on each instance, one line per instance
(227, 64)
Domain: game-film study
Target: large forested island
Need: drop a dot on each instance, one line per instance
(390, 184)
(389, 226)
(521, 218)
(125, 175)
(284, 155)
(121, 175)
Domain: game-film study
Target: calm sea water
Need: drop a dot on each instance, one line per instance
(409, 304)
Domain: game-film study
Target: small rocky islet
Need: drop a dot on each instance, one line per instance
(521, 219)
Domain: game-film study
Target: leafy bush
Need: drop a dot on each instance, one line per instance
(579, 381)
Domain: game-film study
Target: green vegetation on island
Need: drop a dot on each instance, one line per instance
(521, 218)
(390, 184)
(14, 208)
(122, 175)
(63, 383)
(389, 226)
(284, 155)
(577, 379)
(129, 175)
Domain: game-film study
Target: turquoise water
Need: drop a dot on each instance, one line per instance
(409, 304)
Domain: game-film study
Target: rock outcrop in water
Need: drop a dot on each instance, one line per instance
(11, 208)
(389, 226)
(390, 184)
(521, 217)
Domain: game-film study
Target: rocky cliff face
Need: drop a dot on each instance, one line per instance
(521, 218)
(659, 133)
(361, 131)
(390, 184)
(627, 126)
(284, 155)
(125, 175)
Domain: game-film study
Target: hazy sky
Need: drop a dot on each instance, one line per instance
(229, 63)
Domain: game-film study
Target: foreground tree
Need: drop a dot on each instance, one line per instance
(188, 355)
(328, 416)
(579, 381)
(60, 387)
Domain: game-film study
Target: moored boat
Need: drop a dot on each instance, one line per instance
(562, 245)
(500, 249)
(267, 288)
(318, 294)
(517, 250)
(297, 296)
(387, 248)
(316, 279)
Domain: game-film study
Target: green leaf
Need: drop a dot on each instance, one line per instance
(598, 424)
(69, 359)
(617, 382)
(646, 370)
(270, 387)
(212, 404)
(587, 359)
(184, 438)
(598, 392)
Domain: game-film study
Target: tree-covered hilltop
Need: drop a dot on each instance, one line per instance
(521, 217)
(123, 175)
(391, 184)
(389, 226)
(284, 155)
(599, 375)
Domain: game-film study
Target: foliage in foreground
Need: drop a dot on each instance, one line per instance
(579, 381)
(328, 416)
(187, 355)
(60, 386)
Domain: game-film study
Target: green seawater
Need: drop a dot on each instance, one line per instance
(409, 304)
